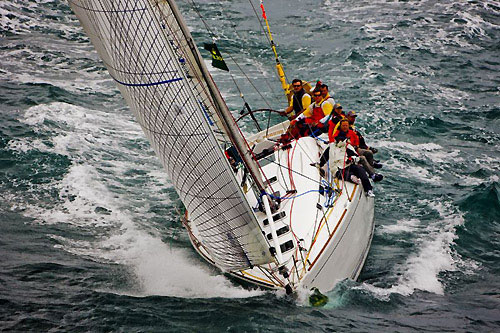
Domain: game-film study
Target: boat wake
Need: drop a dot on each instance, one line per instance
(115, 204)
(95, 196)
(434, 254)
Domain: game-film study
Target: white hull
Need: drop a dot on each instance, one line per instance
(323, 241)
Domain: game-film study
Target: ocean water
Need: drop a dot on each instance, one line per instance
(90, 238)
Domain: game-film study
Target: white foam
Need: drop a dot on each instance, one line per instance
(169, 271)
(115, 218)
(473, 25)
(159, 269)
(78, 130)
(84, 81)
(25, 145)
(24, 16)
(431, 153)
(488, 162)
(59, 62)
(401, 226)
(467, 180)
(413, 171)
(424, 147)
(18, 22)
(421, 269)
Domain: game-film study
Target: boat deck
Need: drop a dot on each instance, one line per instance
(324, 225)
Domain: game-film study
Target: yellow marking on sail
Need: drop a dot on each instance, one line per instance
(215, 56)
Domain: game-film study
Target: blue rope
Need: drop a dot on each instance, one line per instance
(318, 138)
(296, 196)
(327, 190)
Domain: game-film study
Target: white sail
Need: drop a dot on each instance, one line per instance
(147, 52)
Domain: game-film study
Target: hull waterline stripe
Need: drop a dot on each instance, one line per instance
(251, 280)
(246, 274)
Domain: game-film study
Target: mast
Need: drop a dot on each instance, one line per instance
(230, 126)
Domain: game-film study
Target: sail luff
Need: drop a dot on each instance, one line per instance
(201, 86)
(140, 51)
(228, 121)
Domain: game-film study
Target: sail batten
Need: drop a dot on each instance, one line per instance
(148, 55)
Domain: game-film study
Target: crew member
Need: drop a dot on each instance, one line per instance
(353, 172)
(345, 133)
(317, 113)
(327, 104)
(300, 100)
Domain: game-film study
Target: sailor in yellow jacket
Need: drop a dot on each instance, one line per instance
(325, 104)
(300, 100)
(326, 95)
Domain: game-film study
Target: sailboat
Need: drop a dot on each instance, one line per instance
(255, 209)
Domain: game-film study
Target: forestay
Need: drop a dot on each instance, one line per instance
(149, 56)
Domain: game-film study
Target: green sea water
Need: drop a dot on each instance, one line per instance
(90, 238)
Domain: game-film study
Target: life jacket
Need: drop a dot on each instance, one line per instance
(350, 135)
(329, 100)
(297, 101)
(334, 122)
(317, 114)
(337, 117)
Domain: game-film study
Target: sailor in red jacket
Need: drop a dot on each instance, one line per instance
(350, 171)
(343, 132)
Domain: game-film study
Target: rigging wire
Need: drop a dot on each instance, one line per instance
(264, 79)
(282, 175)
(260, 21)
(289, 169)
(213, 35)
(268, 40)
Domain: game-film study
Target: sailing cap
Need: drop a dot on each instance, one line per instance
(352, 114)
(337, 106)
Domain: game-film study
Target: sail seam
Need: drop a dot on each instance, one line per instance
(147, 84)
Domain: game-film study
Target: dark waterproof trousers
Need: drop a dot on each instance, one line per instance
(359, 172)
(366, 162)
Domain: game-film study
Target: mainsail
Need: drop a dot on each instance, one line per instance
(149, 53)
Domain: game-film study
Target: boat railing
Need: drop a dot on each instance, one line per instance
(250, 113)
(271, 133)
